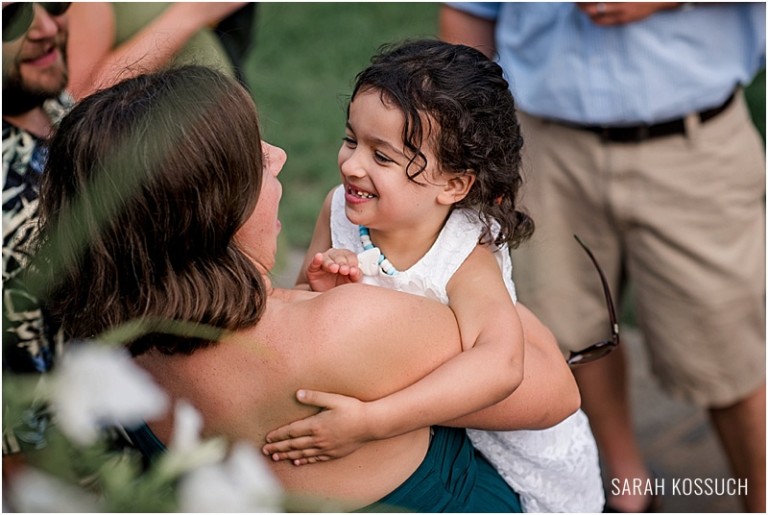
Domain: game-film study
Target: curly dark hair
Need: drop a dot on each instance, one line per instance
(477, 131)
(146, 184)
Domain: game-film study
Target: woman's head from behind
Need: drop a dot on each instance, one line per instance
(146, 187)
(456, 102)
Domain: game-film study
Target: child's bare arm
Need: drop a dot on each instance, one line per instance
(488, 371)
(552, 386)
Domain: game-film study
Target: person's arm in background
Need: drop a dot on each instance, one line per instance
(459, 27)
(94, 63)
(619, 13)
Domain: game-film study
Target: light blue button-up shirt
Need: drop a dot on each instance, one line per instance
(561, 65)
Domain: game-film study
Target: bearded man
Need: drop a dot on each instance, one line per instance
(34, 78)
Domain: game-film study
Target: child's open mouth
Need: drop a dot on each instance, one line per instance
(354, 192)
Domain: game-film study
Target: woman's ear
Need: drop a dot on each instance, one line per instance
(456, 188)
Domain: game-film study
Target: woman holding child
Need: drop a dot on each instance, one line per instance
(179, 205)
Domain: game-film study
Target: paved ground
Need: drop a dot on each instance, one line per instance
(677, 439)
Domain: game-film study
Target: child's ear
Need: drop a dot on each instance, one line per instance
(456, 188)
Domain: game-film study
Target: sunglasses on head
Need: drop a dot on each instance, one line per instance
(603, 347)
(18, 16)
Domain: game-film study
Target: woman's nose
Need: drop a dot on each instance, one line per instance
(274, 156)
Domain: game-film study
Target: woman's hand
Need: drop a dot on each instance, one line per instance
(332, 268)
(340, 429)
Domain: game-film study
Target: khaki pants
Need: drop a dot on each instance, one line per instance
(683, 217)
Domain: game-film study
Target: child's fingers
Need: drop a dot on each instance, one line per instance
(319, 399)
(330, 264)
(284, 437)
(305, 457)
(337, 261)
(355, 274)
(331, 267)
(302, 447)
(317, 263)
(350, 271)
(307, 461)
(341, 256)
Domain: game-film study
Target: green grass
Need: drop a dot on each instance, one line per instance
(301, 71)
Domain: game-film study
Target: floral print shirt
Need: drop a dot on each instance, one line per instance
(30, 342)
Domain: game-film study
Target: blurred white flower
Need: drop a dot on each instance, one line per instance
(33, 491)
(242, 483)
(94, 385)
(186, 449)
(187, 425)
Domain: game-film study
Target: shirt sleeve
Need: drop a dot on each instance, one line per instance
(485, 10)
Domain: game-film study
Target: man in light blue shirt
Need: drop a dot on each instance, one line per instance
(638, 140)
(563, 66)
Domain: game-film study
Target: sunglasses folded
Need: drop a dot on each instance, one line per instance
(603, 347)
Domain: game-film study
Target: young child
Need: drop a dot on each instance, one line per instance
(430, 168)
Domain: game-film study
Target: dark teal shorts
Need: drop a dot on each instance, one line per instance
(454, 477)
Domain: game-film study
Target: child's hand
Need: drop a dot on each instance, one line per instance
(332, 268)
(338, 430)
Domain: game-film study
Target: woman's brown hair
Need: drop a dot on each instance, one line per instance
(145, 186)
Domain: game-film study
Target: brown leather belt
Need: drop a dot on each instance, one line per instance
(639, 133)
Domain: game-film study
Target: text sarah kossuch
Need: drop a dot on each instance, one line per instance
(679, 486)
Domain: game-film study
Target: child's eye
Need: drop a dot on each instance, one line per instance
(381, 158)
(349, 141)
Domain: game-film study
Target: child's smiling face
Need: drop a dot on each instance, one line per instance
(373, 162)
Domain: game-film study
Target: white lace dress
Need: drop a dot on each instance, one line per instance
(554, 469)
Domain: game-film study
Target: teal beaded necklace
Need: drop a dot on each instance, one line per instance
(365, 238)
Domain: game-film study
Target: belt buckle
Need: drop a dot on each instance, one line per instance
(626, 134)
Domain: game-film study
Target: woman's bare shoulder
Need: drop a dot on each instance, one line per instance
(378, 331)
(369, 308)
